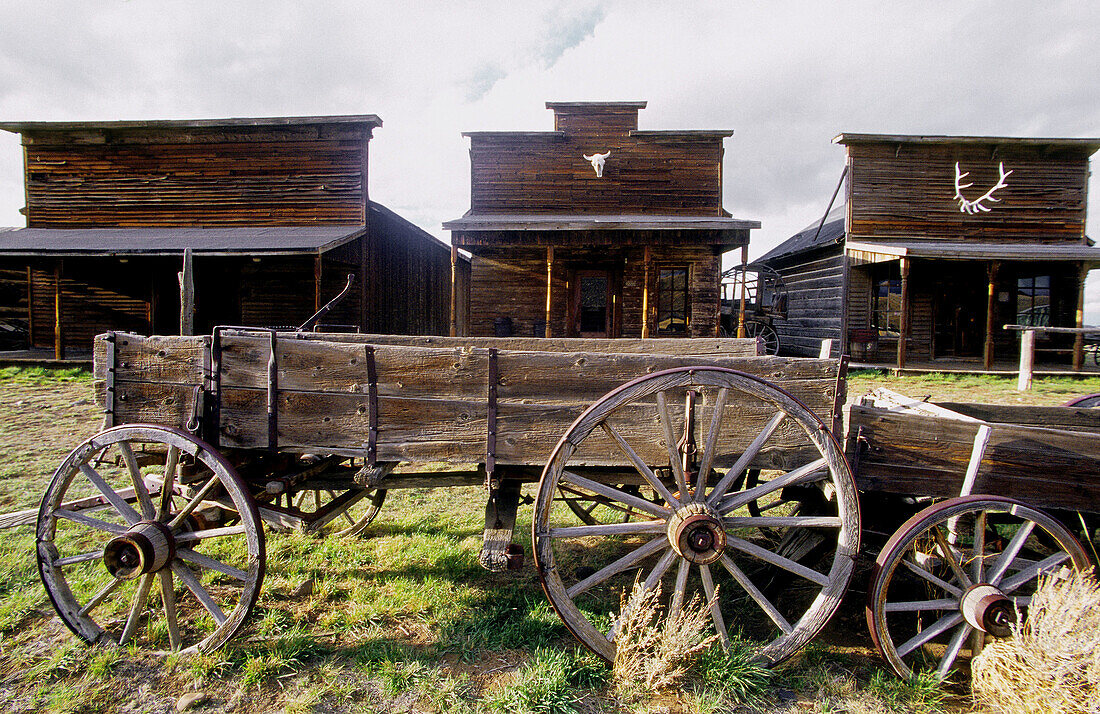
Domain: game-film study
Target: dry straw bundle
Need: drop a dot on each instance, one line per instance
(654, 652)
(1051, 663)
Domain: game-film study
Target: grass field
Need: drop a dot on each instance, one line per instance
(401, 618)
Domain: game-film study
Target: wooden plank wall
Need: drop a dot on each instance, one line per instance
(815, 289)
(674, 173)
(906, 190)
(257, 176)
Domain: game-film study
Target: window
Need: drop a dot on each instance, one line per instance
(1033, 300)
(886, 302)
(672, 301)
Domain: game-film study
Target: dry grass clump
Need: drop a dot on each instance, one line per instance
(654, 651)
(1051, 663)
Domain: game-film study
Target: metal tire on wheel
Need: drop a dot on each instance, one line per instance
(147, 535)
(957, 570)
(699, 538)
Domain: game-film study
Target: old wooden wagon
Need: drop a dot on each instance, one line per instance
(695, 466)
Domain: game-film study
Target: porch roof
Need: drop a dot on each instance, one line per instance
(950, 250)
(234, 240)
(590, 222)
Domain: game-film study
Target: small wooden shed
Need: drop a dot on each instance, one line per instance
(939, 243)
(597, 228)
(274, 211)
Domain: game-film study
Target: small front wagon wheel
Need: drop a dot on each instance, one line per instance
(957, 571)
(147, 535)
(690, 434)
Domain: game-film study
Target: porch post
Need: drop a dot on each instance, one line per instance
(990, 302)
(549, 281)
(58, 333)
(1079, 338)
(454, 290)
(744, 281)
(645, 294)
(903, 332)
(317, 275)
(187, 295)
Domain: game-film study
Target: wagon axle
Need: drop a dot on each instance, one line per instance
(145, 548)
(986, 608)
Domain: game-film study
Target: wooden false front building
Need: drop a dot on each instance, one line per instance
(273, 211)
(939, 243)
(596, 229)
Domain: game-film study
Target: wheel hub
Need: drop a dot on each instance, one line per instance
(696, 533)
(986, 608)
(145, 548)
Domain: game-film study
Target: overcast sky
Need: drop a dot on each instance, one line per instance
(785, 76)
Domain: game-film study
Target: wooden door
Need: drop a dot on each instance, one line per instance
(592, 304)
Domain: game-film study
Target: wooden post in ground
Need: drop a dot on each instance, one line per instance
(744, 287)
(826, 349)
(187, 295)
(1027, 360)
(903, 330)
(549, 281)
(454, 290)
(1079, 338)
(991, 296)
(645, 293)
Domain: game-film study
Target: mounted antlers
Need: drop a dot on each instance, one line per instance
(973, 207)
(597, 162)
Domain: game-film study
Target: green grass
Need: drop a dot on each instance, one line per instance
(44, 375)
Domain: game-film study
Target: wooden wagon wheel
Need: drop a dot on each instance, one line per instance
(592, 508)
(143, 509)
(719, 551)
(351, 520)
(957, 571)
(756, 328)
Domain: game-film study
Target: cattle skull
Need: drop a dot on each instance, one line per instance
(597, 162)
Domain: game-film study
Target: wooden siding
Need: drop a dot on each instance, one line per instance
(258, 176)
(906, 190)
(815, 288)
(647, 172)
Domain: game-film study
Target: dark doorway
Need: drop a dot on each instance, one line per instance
(959, 295)
(592, 304)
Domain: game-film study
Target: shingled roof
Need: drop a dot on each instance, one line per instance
(810, 237)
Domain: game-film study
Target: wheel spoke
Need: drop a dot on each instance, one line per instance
(124, 509)
(783, 521)
(715, 606)
(639, 465)
(1000, 566)
(1013, 583)
(140, 490)
(168, 599)
(618, 566)
(949, 557)
(671, 445)
(659, 569)
(681, 588)
(194, 502)
(777, 560)
(942, 625)
(136, 607)
(198, 591)
(629, 528)
(922, 605)
(711, 445)
(82, 558)
(89, 521)
(166, 488)
(205, 561)
(746, 458)
(977, 553)
(616, 494)
(100, 596)
(755, 594)
(938, 582)
(953, 649)
(188, 536)
(788, 479)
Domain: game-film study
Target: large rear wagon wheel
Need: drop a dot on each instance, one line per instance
(147, 535)
(957, 572)
(703, 427)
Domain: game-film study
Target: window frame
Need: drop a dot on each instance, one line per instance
(668, 295)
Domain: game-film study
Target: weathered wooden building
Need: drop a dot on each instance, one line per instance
(597, 228)
(940, 242)
(275, 212)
